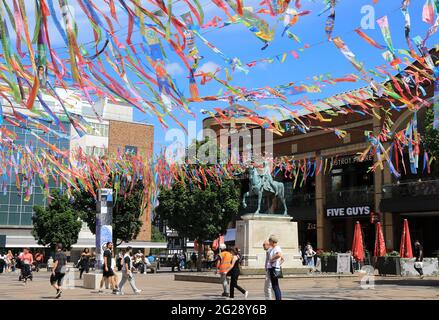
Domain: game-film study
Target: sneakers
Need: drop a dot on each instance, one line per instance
(246, 295)
(101, 291)
(58, 294)
(138, 291)
(225, 294)
(422, 277)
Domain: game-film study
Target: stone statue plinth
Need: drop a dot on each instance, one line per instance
(251, 232)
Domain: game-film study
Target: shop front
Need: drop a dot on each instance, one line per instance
(418, 202)
(349, 198)
(341, 223)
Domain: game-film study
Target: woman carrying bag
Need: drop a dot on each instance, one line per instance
(234, 274)
(274, 266)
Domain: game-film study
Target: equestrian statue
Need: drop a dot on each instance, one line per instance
(260, 183)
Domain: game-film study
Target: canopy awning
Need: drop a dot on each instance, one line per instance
(30, 242)
(230, 235)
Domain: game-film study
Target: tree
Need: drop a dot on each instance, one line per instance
(127, 209)
(58, 223)
(432, 140)
(199, 213)
(156, 235)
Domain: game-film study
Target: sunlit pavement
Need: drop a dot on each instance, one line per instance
(163, 286)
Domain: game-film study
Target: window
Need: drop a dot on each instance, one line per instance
(98, 129)
(95, 151)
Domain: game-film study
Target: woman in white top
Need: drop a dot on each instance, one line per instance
(309, 255)
(275, 261)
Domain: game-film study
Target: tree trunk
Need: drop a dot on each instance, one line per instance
(200, 256)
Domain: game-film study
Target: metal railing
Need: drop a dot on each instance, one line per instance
(411, 189)
(354, 195)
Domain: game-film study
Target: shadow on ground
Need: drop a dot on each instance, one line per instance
(409, 282)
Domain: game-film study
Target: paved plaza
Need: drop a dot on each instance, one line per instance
(163, 286)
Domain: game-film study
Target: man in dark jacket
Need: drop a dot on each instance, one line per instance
(419, 255)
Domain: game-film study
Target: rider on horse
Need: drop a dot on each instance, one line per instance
(267, 179)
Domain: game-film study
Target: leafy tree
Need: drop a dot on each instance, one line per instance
(432, 140)
(58, 223)
(200, 212)
(127, 210)
(156, 235)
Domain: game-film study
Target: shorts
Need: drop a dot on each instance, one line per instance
(56, 278)
(107, 274)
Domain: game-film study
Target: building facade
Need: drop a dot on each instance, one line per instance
(112, 130)
(328, 204)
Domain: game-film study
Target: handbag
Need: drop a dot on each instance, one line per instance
(277, 273)
(419, 264)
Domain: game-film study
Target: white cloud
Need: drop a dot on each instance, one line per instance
(174, 69)
(209, 66)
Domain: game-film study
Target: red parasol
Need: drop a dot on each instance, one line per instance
(357, 245)
(405, 248)
(380, 246)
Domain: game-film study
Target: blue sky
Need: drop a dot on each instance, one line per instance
(237, 41)
(322, 57)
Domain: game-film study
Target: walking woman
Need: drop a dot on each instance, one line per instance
(234, 274)
(9, 260)
(274, 266)
(85, 262)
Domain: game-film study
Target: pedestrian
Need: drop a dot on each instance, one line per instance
(183, 261)
(84, 264)
(224, 264)
(108, 273)
(309, 255)
(276, 260)
(59, 270)
(175, 262)
(127, 274)
(3, 264)
(50, 264)
(234, 274)
(39, 258)
(9, 260)
(139, 265)
(210, 256)
(193, 260)
(26, 262)
(419, 255)
(268, 290)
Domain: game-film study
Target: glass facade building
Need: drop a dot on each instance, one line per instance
(14, 210)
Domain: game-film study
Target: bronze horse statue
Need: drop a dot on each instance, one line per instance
(259, 184)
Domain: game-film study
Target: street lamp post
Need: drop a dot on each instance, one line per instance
(104, 219)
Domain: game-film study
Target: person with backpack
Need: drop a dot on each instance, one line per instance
(234, 273)
(127, 274)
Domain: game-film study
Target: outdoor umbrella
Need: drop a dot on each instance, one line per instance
(357, 245)
(380, 246)
(405, 248)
